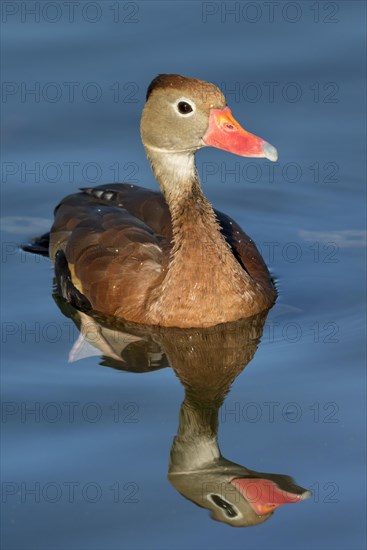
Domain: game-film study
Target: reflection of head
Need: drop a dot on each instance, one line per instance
(235, 495)
(213, 490)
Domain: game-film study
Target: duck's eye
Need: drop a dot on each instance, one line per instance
(184, 108)
(228, 509)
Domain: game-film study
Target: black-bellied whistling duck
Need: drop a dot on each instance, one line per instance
(170, 259)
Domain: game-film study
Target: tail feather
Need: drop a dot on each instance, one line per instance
(39, 245)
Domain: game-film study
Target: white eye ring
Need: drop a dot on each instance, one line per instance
(189, 102)
(209, 498)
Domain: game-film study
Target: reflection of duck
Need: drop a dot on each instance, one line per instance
(172, 260)
(207, 361)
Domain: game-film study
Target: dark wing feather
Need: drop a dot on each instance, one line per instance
(146, 205)
(244, 250)
(114, 257)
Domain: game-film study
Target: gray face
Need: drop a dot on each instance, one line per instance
(233, 509)
(176, 115)
(212, 490)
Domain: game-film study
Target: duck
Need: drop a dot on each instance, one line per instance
(165, 258)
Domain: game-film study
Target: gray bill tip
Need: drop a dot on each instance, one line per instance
(270, 152)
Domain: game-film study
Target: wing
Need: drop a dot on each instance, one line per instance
(245, 251)
(114, 257)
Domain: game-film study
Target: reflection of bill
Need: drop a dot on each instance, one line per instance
(264, 495)
(207, 361)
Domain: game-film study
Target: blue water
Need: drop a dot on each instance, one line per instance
(295, 77)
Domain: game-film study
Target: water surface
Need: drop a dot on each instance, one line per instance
(95, 450)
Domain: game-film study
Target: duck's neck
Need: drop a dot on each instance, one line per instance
(197, 239)
(179, 181)
(196, 444)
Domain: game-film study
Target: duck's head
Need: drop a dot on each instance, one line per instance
(185, 114)
(235, 495)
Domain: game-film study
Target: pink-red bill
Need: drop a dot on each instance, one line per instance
(224, 132)
(264, 495)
